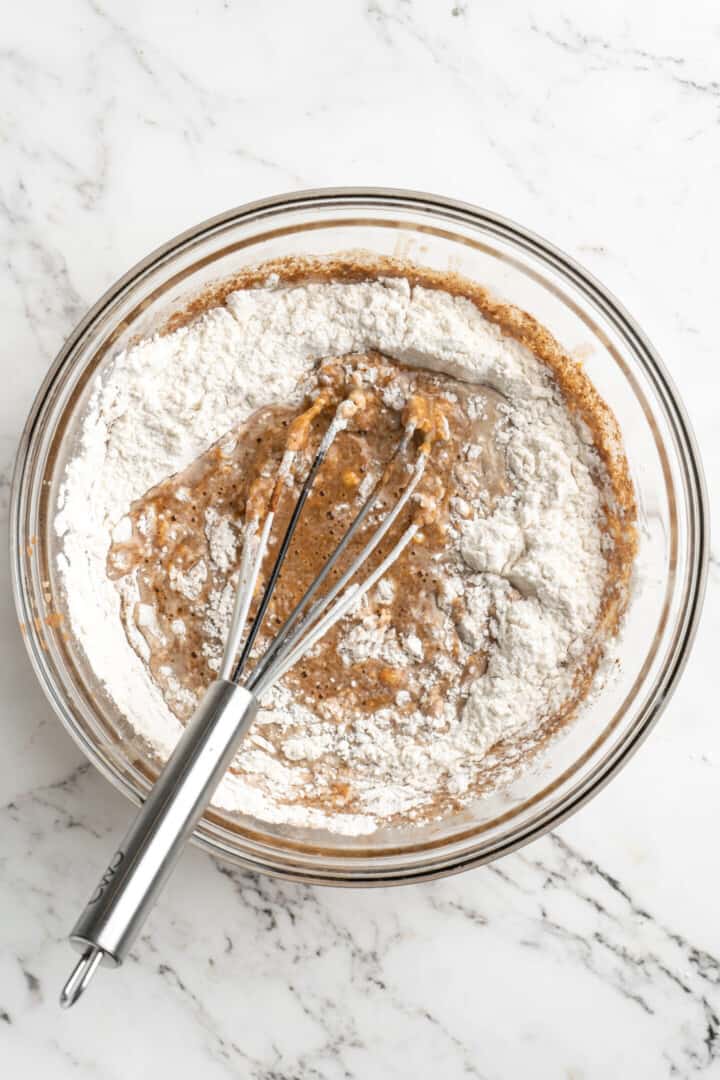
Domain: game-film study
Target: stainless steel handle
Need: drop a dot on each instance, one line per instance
(144, 860)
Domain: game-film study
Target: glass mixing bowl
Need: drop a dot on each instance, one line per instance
(515, 266)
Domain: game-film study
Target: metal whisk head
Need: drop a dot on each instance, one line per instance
(315, 614)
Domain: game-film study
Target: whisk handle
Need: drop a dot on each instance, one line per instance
(137, 871)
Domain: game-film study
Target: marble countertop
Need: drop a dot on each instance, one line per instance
(594, 952)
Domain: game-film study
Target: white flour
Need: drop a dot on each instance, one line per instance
(532, 569)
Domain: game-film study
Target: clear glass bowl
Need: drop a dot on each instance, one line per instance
(525, 271)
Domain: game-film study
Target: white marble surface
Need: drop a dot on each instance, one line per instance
(596, 951)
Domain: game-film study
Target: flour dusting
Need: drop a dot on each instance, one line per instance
(522, 584)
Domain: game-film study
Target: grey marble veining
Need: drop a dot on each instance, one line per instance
(477, 973)
(594, 952)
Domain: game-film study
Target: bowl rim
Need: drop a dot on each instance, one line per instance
(694, 488)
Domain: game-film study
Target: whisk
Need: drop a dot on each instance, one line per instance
(141, 865)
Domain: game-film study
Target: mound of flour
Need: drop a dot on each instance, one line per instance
(535, 562)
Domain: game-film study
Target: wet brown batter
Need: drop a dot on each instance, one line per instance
(186, 583)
